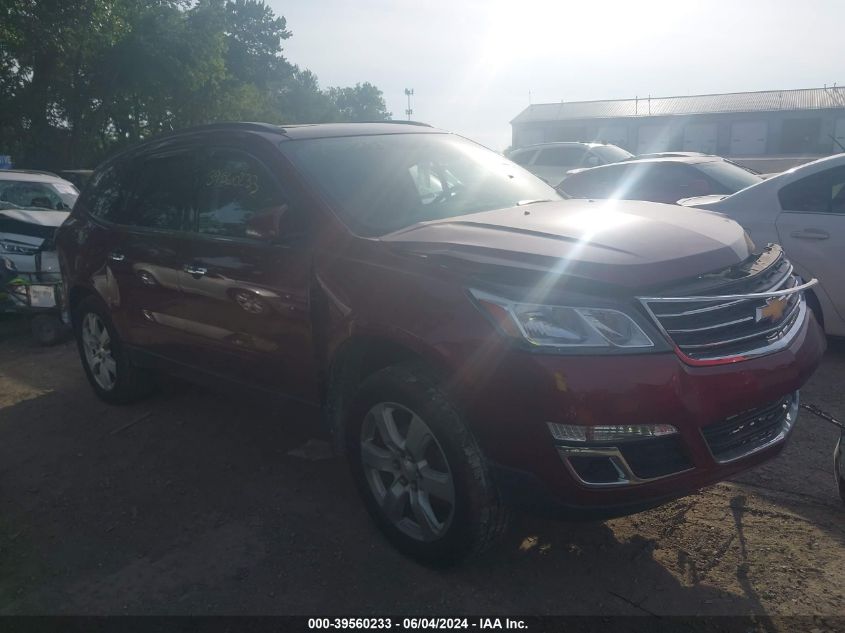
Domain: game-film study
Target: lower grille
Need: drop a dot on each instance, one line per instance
(751, 431)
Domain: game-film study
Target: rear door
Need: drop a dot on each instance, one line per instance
(811, 227)
(246, 274)
(146, 252)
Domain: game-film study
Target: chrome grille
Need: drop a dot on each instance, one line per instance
(759, 314)
(751, 431)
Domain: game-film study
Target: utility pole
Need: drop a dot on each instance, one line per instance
(409, 92)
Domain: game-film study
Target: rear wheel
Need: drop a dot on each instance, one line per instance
(104, 359)
(420, 472)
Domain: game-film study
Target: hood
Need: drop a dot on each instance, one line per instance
(37, 217)
(618, 243)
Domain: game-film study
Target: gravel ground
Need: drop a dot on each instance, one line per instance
(189, 503)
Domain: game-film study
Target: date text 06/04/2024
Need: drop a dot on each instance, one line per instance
(421, 623)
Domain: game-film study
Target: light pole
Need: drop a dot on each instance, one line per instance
(409, 92)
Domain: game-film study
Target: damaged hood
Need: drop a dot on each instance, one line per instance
(35, 216)
(618, 243)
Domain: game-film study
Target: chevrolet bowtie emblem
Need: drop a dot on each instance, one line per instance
(773, 310)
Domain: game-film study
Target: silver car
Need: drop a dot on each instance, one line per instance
(551, 161)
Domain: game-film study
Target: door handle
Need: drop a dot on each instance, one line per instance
(117, 256)
(196, 271)
(811, 234)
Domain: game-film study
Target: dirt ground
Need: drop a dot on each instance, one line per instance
(189, 503)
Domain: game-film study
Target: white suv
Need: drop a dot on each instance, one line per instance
(551, 161)
(32, 206)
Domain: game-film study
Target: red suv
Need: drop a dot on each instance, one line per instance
(473, 341)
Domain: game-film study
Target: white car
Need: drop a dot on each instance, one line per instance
(802, 209)
(551, 161)
(33, 205)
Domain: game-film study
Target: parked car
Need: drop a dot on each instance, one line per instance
(804, 210)
(26, 238)
(36, 189)
(473, 341)
(27, 251)
(666, 179)
(551, 161)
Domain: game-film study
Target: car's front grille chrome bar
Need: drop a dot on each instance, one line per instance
(752, 295)
(720, 306)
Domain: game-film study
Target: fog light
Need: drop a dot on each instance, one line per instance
(608, 432)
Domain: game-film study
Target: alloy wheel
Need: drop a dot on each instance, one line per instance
(407, 471)
(96, 343)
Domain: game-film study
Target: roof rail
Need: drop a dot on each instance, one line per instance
(399, 122)
(228, 125)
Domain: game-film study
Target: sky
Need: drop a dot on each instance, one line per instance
(474, 65)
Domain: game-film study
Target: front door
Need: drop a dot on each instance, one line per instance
(246, 278)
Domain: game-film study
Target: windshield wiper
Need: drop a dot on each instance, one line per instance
(522, 203)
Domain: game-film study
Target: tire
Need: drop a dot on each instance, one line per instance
(408, 479)
(47, 329)
(114, 379)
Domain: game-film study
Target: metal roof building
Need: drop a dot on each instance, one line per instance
(740, 124)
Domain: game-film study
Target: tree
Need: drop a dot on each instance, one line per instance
(363, 102)
(79, 80)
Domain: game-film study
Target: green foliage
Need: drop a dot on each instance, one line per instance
(79, 80)
(363, 102)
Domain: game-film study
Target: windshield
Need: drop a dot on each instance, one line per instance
(27, 194)
(730, 176)
(380, 184)
(611, 153)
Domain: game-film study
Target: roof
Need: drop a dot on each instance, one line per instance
(290, 132)
(312, 130)
(764, 101)
(325, 130)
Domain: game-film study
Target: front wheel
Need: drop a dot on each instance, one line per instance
(104, 359)
(420, 471)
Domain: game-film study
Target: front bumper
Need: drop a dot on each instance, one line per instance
(511, 401)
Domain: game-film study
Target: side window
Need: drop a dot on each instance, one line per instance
(106, 194)
(819, 193)
(523, 158)
(560, 157)
(239, 198)
(164, 192)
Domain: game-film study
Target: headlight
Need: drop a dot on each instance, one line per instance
(17, 249)
(564, 326)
